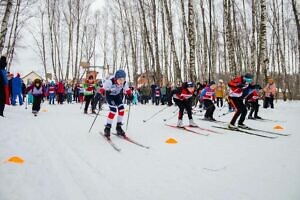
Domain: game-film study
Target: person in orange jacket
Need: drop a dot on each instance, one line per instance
(270, 92)
(220, 93)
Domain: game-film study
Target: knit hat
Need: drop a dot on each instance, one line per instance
(120, 74)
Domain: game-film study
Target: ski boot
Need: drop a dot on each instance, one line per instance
(212, 119)
(93, 112)
(206, 119)
(180, 123)
(232, 127)
(257, 117)
(250, 117)
(192, 123)
(107, 131)
(243, 126)
(85, 112)
(120, 131)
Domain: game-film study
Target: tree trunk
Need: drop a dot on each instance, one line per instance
(192, 40)
(229, 38)
(263, 60)
(177, 72)
(4, 24)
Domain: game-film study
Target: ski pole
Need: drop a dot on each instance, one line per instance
(26, 102)
(145, 120)
(128, 115)
(225, 113)
(170, 117)
(94, 120)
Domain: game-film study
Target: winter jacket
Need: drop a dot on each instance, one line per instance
(207, 93)
(236, 86)
(60, 88)
(220, 91)
(270, 90)
(16, 85)
(89, 88)
(36, 91)
(182, 94)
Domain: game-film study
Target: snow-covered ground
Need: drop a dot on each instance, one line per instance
(65, 162)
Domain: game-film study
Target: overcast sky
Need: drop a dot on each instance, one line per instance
(26, 59)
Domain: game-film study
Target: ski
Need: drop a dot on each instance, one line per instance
(114, 146)
(186, 128)
(264, 131)
(267, 120)
(208, 130)
(216, 121)
(246, 132)
(128, 139)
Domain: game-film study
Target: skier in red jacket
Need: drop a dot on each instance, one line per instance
(236, 86)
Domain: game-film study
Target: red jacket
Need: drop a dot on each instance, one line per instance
(51, 89)
(253, 96)
(236, 87)
(60, 88)
(182, 94)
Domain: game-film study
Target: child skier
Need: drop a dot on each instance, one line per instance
(69, 93)
(114, 89)
(270, 92)
(98, 98)
(252, 99)
(207, 96)
(220, 93)
(182, 97)
(38, 92)
(237, 85)
(51, 91)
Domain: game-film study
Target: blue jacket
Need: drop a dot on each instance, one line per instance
(3, 71)
(16, 85)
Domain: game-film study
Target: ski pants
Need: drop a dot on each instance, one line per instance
(254, 108)
(115, 104)
(240, 110)
(88, 99)
(98, 99)
(210, 108)
(51, 98)
(184, 104)
(36, 105)
(220, 100)
(14, 98)
(269, 102)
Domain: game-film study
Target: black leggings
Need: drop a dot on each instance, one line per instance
(254, 108)
(88, 99)
(220, 99)
(210, 108)
(240, 109)
(187, 105)
(36, 105)
(2, 104)
(269, 102)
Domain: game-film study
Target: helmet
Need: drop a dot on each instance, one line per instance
(120, 74)
(190, 85)
(248, 78)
